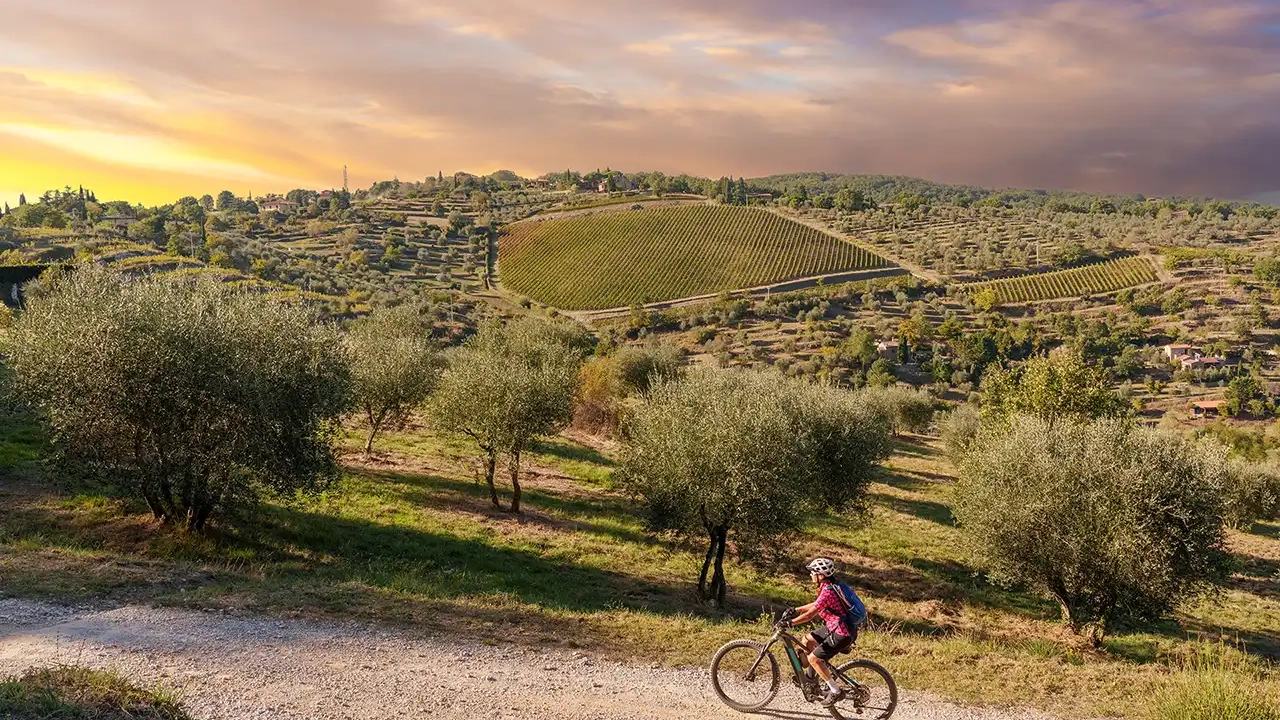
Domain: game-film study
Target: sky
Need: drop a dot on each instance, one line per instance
(150, 100)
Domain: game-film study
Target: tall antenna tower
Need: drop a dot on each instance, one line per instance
(344, 179)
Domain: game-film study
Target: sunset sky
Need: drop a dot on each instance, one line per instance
(149, 100)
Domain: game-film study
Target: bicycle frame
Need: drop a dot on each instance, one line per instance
(790, 643)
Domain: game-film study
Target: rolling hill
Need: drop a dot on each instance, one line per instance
(650, 255)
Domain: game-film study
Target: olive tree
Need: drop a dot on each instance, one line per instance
(395, 366)
(745, 455)
(1053, 387)
(508, 385)
(1114, 522)
(191, 393)
(907, 409)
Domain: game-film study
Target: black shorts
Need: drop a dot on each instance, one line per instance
(830, 643)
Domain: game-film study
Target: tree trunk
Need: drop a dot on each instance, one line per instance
(706, 565)
(718, 583)
(375, 424)
(513, 465)
(491, 465)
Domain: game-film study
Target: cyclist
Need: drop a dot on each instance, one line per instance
(841, 611)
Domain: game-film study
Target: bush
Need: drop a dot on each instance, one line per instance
(638, 367)
(748, 452)
(959, 428)
(71, 693)
(907, 410)
(1115, 523)
(1251, 491)
(193, 394)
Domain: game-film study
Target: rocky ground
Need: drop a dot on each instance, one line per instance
(241, 668)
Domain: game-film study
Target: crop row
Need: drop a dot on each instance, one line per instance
(638, 256)
(1092, 279)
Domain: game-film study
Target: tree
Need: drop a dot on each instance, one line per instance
(226, 200)
(1116, 524)
(639, 367)
(207, 202)
(508, 385)
(907, 410)
(22, 199)
(1052, 387)
(394, 367)
(195, 395)
(1242, 388)
(745, 455)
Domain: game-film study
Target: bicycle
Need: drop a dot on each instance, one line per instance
(736, 671)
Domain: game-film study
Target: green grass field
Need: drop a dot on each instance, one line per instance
(639, 256)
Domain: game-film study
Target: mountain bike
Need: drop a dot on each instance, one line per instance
(745, 674)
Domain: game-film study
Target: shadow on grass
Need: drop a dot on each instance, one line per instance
(924, 509)
(566, 451)
(1266, 530)
(913, 447)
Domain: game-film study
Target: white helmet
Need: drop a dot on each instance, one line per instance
(822, 566)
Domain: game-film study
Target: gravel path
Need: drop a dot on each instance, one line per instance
(236, 668)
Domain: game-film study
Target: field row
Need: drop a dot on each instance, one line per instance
(1089, 280)
(651, 255)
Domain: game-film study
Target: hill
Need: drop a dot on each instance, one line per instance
(642, 256)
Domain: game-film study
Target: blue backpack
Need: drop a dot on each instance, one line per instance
(855, 612)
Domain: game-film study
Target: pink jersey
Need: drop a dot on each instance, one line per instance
(831, 610)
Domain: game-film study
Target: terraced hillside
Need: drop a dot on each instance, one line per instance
(639, 256)
(1088, 280)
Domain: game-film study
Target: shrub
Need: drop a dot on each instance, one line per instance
(959, 428)
(1115, 523)
(907, 410)
(1056, 386)
(193, 394)
(748, 453)
(638, 367)
(1251, 491)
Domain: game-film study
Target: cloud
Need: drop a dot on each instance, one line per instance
(1152, 96)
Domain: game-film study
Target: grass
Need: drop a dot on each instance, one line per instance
(655, 254)
(1223, 687)
(75, 693)
(410, 539)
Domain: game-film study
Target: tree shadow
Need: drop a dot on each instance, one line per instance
(924, 509)
(567, 451)
(1266, 530)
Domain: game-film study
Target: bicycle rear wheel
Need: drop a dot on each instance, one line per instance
(744, 681)
(869, 692)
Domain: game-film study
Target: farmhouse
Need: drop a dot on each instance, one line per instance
(287, 207)
(1198, 362)
(1174, 352)
(888, 349)
(1207, 408)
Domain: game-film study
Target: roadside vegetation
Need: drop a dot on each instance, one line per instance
(75, 693)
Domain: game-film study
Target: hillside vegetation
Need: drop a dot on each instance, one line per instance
(640, 256)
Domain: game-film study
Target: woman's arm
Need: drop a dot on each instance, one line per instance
(805, 613)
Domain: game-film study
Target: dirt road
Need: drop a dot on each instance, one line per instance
(256, 668)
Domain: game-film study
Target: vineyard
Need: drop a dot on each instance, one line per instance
(1089, 280)
(640, 256)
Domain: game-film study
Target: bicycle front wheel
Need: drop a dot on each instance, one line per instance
(744, 675)
(869, 692)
